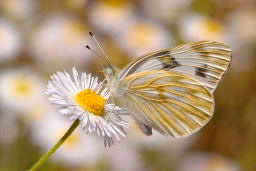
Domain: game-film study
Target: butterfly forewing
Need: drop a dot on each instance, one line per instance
(172, 103)
(206, 61)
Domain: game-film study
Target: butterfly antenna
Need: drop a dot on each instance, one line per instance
(93, 51)
(101, 49)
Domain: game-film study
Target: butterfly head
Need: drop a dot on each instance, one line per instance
(108, 71)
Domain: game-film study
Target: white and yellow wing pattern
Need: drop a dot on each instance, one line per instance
(171, 103)
(206, 61)
(171, 90)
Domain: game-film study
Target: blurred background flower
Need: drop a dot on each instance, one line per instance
(169, 11)
(66, 33)
(143, 36)
(110, 16)
(78, 150)
(38, 38)
(195, 27)
(10, 40)
(18, 9)
(242, 36)
(209, 162)
(20, 89)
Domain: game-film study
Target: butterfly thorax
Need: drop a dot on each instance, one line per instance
(112, 80)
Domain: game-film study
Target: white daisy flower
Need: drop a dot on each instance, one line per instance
(206, 161)
(58, 41)
(143, 36)
(80, 96)
(174, 148)
(85, 150)
(111, 16)
(195, 27)
(32, 116)
(19, 90)
(241, 24)
(10, 41)
(129, 154)
(19, 9)
(171, 10)
(241, 35)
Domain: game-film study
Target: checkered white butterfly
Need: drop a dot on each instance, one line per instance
(171, 90)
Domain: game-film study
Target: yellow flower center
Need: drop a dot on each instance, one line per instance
(115, 3)
(72, 31)
(21, 88)
(212, 28)
(90, 101)
(141, 35)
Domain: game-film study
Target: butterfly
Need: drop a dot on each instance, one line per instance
(171, 90)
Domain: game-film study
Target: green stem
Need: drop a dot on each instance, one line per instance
(55, 147)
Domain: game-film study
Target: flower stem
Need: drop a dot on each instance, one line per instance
(55, 147)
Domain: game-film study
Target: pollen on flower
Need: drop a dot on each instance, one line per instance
(90, 101)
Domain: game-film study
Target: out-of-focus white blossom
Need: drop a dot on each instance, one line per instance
(10, 41)
(111, 16)
(59, 41)
(166, 10)
(207, 162)
(242, 24)
(241, 36)
(196, 27)
(124, 157)
(175, 148)
(79, 149)
(19, 9)
(144, 37)
(20, 90)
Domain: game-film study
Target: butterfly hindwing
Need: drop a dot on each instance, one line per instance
(205, 61)
(172, 103)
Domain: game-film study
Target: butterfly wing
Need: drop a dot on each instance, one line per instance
(171, 103)
(206, 61)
